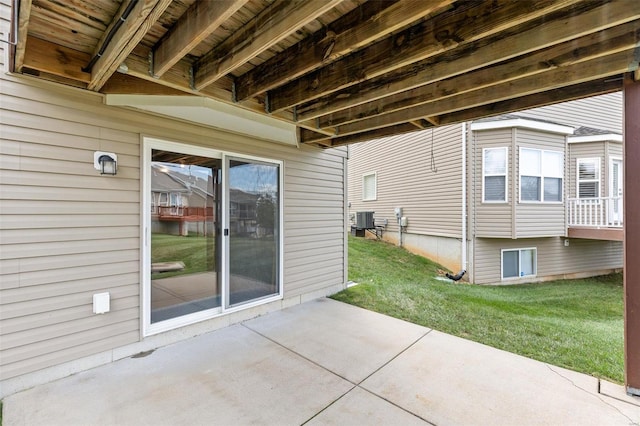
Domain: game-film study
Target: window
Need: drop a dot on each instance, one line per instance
(588, 177)
(541, 175)
(519, 263)
(494, 174)
(369, 187)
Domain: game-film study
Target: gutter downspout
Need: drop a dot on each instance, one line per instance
(464, 196)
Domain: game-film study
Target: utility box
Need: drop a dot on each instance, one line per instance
(364, 220)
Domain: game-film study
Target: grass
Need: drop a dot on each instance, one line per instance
(250, 257)
(576, 324)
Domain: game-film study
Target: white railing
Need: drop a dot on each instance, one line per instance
(602, 212)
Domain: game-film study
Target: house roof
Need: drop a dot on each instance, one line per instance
(589, 134)
(341, 71)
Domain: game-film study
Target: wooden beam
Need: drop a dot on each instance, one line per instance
(563, 94)
(57, 60)
(197, 23)
(631, 235)
(24, 13)
(367, 136)
(620, 38)
(125, 39)
(517, 41)
(577, 91)
(464, 24)
(361, 26)
(272, 25)
(584, 71)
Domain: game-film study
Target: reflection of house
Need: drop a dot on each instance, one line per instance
(242, 212)
(180, 203)
(536, 199)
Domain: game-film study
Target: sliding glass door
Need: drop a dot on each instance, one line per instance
(185, 228)
(212, 233)
(253, 200)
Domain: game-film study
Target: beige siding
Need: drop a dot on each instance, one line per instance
(420, 172)
(491, 219)
(554, 259)
(68, 232)
(538, 219)
(600, 112)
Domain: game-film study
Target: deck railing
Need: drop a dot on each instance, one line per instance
(601, 212)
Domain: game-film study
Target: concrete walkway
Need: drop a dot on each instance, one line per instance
(325, 362)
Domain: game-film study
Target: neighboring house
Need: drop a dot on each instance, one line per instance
(515, 198)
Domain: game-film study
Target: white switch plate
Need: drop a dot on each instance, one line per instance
(101, 303)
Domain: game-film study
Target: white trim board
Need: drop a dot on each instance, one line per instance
(212, 113)
(523, 123)
(608, 137)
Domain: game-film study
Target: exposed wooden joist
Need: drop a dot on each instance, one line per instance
(583, 71)
(567, 93)
(481, 53)
(374, 134)
(358, 28)
(178, 78)
(577, 91)
(468, 22)
(125, 39)
(278, 21)
(23, 25)
(620, 38)
(57, 60)
(200, 20)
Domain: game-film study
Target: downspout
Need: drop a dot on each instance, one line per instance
(464, 196)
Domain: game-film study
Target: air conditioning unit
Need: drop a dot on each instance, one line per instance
(364, 220)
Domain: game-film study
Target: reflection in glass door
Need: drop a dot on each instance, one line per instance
(253, 200)
(185, 244)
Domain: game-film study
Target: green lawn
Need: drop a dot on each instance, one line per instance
(251, 257)
(577, 324)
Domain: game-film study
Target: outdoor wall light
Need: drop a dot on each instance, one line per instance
(106, 162)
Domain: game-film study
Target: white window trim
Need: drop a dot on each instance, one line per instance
(506, 176)
(535, 263)
(541, 176)
(598, 179)
(375, 186)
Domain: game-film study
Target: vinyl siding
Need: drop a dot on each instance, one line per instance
(600, 112)
(554, 260)
(68, 232)
(491, 219)
(538, 219)
(420, 172)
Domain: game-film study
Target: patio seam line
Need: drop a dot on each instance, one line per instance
(429, 330)
(298, 354)
(328, 405)
(596, 395)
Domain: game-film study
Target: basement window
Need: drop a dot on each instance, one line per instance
(518, 263)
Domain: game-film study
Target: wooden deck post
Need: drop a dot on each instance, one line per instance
(632, 233)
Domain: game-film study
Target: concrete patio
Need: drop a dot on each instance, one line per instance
(325, 362)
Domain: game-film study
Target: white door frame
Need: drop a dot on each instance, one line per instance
(613, 216)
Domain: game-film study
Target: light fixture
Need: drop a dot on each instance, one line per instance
(106, 162)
